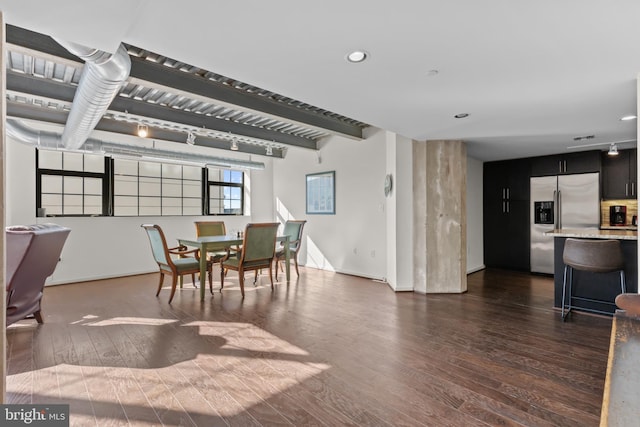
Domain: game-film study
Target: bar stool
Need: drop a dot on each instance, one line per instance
(596, 256)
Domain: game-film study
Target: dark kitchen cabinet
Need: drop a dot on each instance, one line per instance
(582, 162)
(506, 214)
(619, 175)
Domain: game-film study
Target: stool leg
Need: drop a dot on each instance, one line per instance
(564, 289)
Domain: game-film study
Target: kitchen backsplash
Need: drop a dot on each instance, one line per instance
(632, 209)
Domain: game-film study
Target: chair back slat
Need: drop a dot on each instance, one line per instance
(158, 243)
(210, 228)
(598, 256)
(293, 229)
(259, 241)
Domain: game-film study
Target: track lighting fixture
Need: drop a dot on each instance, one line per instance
(191, 138)
(613, 150)
(143, 130)
(269, 150)
(234, 145)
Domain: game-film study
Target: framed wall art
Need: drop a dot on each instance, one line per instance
(321, 193)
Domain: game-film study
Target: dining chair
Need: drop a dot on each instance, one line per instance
(293, 229)
(258, 251)
(215, 228)
(176, 267)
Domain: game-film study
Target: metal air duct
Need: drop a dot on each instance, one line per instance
(101, 80)
(54, 141)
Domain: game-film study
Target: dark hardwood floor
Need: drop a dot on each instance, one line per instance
(328, 349)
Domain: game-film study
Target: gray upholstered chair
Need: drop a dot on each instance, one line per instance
(293, 229)
(176, 267)
(33, 251)
(258, 251)
(595, 256)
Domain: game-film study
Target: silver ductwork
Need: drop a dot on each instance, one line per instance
(100, 82)
(54, 141)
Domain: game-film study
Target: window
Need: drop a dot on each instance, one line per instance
(226, 192)
(77, 184)
(70, 184)
(147, 188)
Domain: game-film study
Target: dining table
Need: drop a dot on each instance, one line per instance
(219, 243)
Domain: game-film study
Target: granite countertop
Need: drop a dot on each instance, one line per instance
(592, 233)
(618, 227)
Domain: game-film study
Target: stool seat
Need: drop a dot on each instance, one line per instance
(595, 256)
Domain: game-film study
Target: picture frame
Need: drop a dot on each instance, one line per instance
(321, 193)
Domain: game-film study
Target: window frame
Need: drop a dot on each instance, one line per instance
(104, 176)
(108, 178)
(222, 184)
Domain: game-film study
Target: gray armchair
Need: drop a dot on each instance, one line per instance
(33, 252)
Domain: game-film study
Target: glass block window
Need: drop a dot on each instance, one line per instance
(159, 189)
(78, 184)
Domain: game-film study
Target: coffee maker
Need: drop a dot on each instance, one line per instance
(617, 215)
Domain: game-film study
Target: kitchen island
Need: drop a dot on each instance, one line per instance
(600, 289)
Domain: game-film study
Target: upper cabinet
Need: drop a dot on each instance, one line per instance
(507, 180)
(619, 175)
(560, 164)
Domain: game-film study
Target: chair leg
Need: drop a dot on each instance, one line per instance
(174, 284)
(193, 280)
(222, 274)
(241, 280)
(271, 275)
(255, 278)
(211, 279)
(38, 316)
(295, 260)
(160, 284)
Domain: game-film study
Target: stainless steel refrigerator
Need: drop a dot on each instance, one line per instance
(563, 201)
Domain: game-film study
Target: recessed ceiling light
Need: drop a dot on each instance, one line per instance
(461, 115)
(628, 117)
(357, 56)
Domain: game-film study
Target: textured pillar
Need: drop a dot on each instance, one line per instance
(446, 233)
(446, 222)
(419, 216)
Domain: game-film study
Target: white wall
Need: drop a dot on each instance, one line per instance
(399, 207)
(475, 239)
(353, 240)
(105, 247)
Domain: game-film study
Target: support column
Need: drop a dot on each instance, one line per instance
(399, 211)
(440, 239)
(3, 297)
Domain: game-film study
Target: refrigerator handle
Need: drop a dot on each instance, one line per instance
(559, 209)
(555, 209)
(626, 188)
